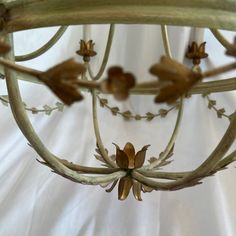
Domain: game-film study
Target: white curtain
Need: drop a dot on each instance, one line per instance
(35, 202)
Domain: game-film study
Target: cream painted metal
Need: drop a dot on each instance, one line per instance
(41, 13)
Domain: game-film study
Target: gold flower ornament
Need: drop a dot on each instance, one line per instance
(118, 83)
(128, 160)
(196, 52)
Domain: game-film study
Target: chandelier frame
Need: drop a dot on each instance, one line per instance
(42, 14)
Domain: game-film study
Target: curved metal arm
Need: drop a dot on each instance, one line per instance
(105, 156)
(28, 131)
(179, 175)
(171, 142)
(203, 170)
(165, 40)
(45, 47)
(222, 40)
(105, 57)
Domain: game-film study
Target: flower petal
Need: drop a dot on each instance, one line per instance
(118, 83)
(140, 157)
(114, 71)
(112, 186)
(146, 189)
(121, 158)
(124, 187)
(130, 152)
(137, 187)
(130, 80)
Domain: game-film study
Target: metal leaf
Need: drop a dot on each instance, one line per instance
(130, 152)
(220, 112)
(60, 106)
(60, 79)
(150, 116)
(163, 113)
(112, 186)
(114, 110)
(124, 187)
(121, 158)
(137, 117)
(137, 187)
(103, 102)
(211, 103)
(48, 109)
(152, 159)
(140, 157)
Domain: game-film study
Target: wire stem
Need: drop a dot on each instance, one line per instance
(45, 47)
(222, 40)
(102, 149)
(105, 57)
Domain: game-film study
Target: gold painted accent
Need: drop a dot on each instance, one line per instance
(196, 52)
(86, 50)
(180, 77)
(231, 51)
(118, 83)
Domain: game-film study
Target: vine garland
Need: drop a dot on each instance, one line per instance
(46, 108)
(128, 115)
(212, 105)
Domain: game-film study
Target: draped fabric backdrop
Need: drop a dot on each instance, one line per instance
(35, 202)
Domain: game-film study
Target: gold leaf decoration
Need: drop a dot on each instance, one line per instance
(118, 83)
(61, 79)
(232, 50)
(196, 52)
(4, 47)
(180, 79)
(86, 50)
(127, 158)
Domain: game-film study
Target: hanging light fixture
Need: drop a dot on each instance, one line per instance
(172, 82)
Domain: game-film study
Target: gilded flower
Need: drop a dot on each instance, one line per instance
(180, 79)
(86, 50)
(127, 160)
(232, 50)
(4, 47)
(118, 83)
(61, 80)
(196, 52)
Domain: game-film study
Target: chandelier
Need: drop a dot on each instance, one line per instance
(172, 83)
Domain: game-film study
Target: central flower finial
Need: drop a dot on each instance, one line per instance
(128, 160)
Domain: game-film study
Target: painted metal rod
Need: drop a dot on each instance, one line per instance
(165, 40)
(222, 40)
(67, 12)
(173, 137)
(171, 142)
(55, 38)
(203, 170)
(105, 57)
(28, 131)
(178, 175)
(105, 156)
